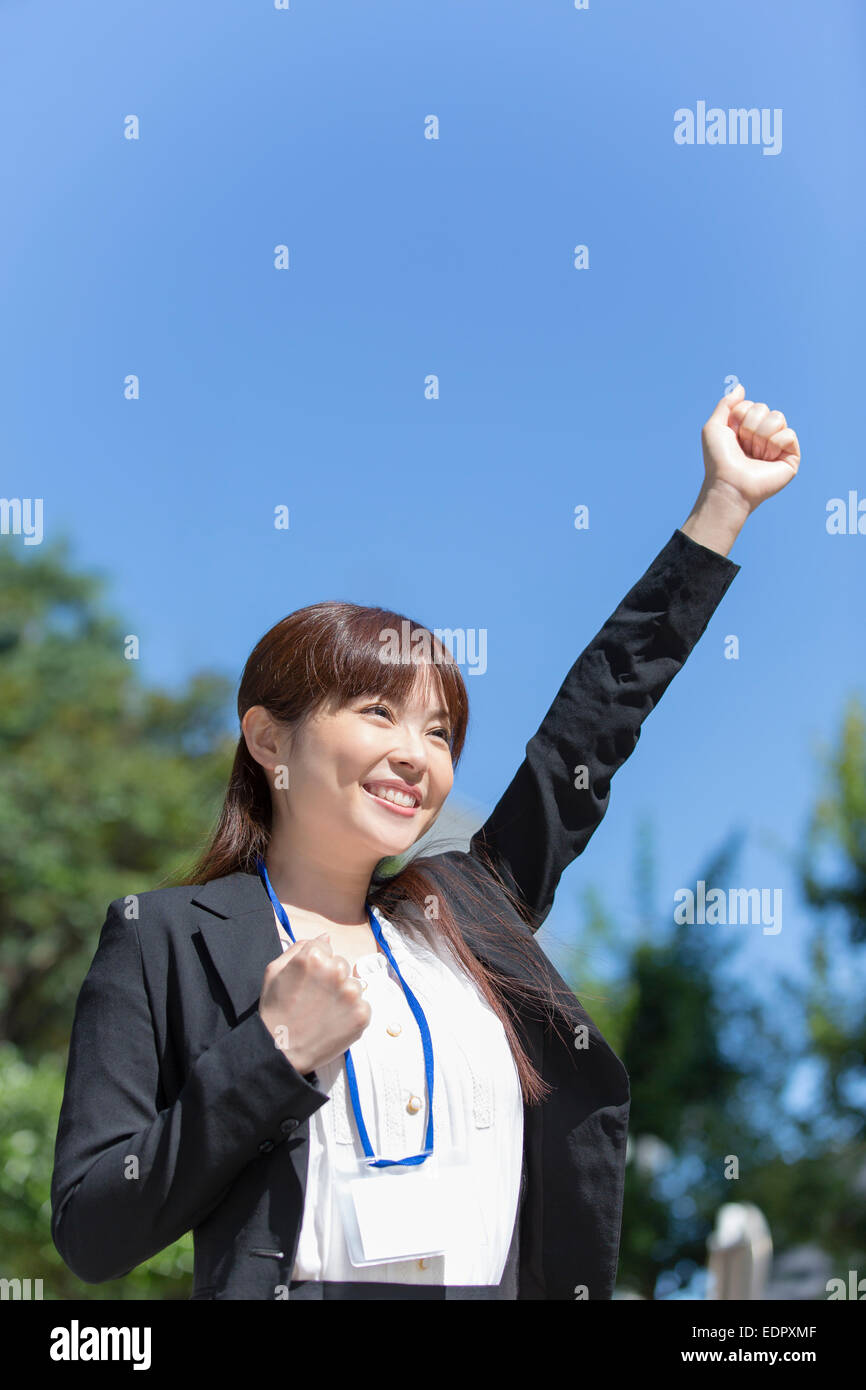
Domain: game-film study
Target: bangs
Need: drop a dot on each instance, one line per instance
(378, 652)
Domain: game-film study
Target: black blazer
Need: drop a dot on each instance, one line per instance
(180, 1113)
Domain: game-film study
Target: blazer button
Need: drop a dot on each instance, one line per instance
(266, 1146)
(286, 1126)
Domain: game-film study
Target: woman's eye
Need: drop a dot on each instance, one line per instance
(375, 709)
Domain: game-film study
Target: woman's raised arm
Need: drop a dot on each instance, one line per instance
(560, 793)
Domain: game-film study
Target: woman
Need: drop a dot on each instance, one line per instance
(357, 1084)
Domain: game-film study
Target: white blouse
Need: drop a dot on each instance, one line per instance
(477, 1109)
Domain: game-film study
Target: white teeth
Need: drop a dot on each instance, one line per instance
(391, 794)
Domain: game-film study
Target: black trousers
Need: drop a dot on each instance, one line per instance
(505, 1289)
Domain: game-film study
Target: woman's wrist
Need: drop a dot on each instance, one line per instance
(717, 517)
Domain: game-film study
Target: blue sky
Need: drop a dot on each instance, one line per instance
(409, 257)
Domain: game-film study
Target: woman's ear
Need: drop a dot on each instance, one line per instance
(264, 738)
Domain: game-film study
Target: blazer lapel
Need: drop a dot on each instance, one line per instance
(240, 934)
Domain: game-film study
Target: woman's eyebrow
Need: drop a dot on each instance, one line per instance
(433, 713)
(440, 713)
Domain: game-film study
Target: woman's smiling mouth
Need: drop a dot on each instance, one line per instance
(401, 803)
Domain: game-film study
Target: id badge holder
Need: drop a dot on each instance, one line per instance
(403, 1212)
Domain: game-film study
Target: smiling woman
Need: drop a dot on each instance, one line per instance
(415, 1105)
(426, 1111)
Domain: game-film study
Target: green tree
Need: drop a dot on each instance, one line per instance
(837, 1001)
(709, 1064)
(107, 787)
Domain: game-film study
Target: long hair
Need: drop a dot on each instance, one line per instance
(333, 651)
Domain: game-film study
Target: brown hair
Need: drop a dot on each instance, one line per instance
(334, 651)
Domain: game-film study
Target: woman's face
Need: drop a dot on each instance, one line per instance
(339, 758)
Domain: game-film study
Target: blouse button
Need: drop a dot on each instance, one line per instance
(394, 1029)
(414, 1104)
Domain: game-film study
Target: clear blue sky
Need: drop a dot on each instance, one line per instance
(408, 257)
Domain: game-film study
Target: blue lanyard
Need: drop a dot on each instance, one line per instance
(350, 1065)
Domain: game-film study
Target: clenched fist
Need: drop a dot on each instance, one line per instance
(312, 1005)
(749, 449)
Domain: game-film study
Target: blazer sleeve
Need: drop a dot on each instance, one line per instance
(129, 1177)
(549, 811)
